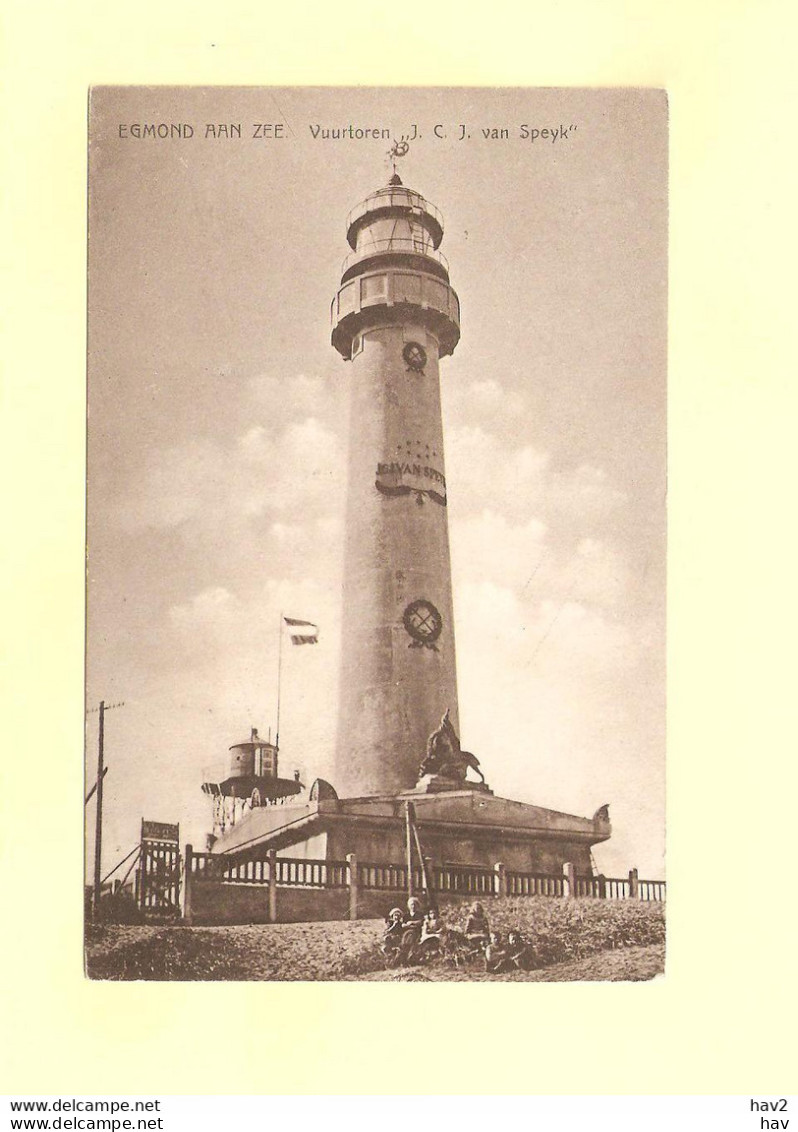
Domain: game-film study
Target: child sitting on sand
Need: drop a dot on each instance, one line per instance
(391, 945)
(431, 934)
(497, 958)
(477, 929)
(411, 929)
(519, 953)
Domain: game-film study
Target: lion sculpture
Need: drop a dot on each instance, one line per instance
(445, 756)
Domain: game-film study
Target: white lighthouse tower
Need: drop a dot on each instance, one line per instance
(394, 317)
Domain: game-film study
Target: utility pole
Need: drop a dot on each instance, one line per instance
(98, 825)
(90, 794)
(409, 846)
(98, 829)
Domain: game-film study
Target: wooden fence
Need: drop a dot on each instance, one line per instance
(158, 878)
(364, 881)
(288, 871)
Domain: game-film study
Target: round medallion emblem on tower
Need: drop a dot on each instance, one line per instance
(416, 356)
(423, 623)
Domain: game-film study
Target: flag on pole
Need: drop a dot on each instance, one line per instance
(303, 638)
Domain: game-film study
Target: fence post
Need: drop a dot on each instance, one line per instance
(271, 857)
(351, 859)
(187, 879)
(500, 884)
(634, 885)
(569, 879)
(602, 886)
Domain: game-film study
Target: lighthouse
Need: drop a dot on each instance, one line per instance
(394, 317)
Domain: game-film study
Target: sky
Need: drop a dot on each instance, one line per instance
(218, 429)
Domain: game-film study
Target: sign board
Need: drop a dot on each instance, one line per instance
(159, 831)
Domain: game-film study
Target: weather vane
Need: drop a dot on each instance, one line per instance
(397, 150)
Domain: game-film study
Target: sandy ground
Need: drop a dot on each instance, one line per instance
(630, 964)
(313, 951)
(250, 952)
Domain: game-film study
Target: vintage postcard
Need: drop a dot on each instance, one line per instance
(376, 534)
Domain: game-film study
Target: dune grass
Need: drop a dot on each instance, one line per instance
(559, 931)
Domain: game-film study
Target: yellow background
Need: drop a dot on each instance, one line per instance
(721, 1020)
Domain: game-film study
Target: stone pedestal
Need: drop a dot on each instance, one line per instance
(440, 784)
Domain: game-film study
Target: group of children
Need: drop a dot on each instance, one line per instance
(416, 936)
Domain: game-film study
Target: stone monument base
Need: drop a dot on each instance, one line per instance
(464, 826)
(439, 784)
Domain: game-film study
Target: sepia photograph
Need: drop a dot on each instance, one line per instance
(376, 534)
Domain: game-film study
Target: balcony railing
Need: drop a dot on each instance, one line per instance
(403, 245)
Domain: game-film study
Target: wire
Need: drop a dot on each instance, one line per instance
(554, 620)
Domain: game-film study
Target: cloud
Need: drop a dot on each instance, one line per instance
(547, 694)
(530, 561)
(296, 471)
(301, 396)
(488, 546)
(301, 468)
(585, 492)
(224, 650)
(211, 608)
(168, 494)
(483, 402)
(485, 474)
(576, 638)
(598, 574)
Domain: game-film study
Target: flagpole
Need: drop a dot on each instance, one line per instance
(279, 677)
